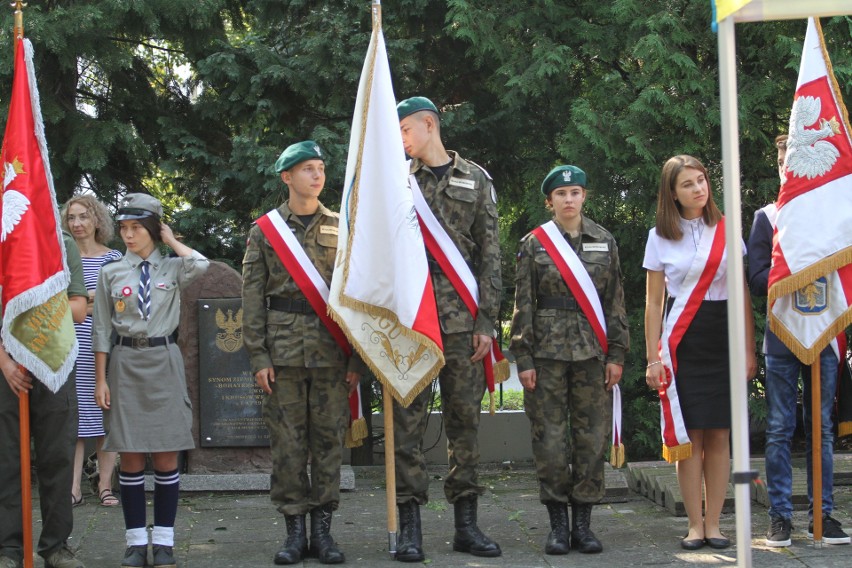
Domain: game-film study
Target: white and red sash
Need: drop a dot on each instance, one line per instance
(577, 279)
(575, 276)
(705, 265)
(447, 255)
(304, 273)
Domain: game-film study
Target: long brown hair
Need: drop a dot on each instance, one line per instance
(669, 210)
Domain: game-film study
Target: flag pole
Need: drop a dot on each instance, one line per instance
(387, 397)
(742, 474)
(816, 448)
(24, 396)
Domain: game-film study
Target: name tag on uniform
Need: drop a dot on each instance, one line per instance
(595, 247)
(328, 230)
(458, 182)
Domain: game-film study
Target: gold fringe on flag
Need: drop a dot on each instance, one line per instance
(677, 453)
(356, 433)
(501, 371)
(617, 456)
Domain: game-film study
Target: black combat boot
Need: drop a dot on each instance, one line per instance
(468, 537)
(582, 537)
(296, 545)
(322, 545)
(409, 547)
(557, 541)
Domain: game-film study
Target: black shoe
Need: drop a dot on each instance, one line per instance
(718, 543)
(779, 532)
(136, 556)
(409, 548)
(296, 546)
(557, 541)
(831, 531)
(322, 545)
(692, 544)
(468, 537)
(164, 556)
(582, 537)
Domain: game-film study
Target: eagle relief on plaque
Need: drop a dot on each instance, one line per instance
(230, 401)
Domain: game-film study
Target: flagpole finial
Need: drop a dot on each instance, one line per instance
(19, 6)
(377, 14)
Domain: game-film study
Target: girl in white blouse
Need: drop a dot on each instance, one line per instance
(685, 211)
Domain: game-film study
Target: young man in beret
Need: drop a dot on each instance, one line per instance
(462, 198)
(294, 357)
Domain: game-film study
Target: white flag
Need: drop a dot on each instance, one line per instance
(381, 290)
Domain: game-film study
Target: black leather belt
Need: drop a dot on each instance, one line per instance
(291, 305)
(557, 303)
(142, 342)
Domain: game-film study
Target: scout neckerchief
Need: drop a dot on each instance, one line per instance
(705, 264)
(452, 263)
(577, 279)
(838, 345)
(304, 273)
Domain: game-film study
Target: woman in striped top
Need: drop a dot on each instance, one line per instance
(89, 222)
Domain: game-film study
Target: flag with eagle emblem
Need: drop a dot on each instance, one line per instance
(810, 282)
(38, 330)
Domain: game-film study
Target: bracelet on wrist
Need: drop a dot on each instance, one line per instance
(654, 363)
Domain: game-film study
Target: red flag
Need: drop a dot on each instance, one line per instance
(38, 330)
(810, 282)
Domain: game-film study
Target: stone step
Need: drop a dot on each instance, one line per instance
(657, 481)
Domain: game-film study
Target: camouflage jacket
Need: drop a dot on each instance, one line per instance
(566, 335)
(465, 203)
(284, 339)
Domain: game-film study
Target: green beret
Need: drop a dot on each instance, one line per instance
(415, 104)
(298, 153)
(561, 176)
(138, 206)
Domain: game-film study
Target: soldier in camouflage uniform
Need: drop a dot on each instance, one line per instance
(565, 373)
(297, 363)
(463, 199)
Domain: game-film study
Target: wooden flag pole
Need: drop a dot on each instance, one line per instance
(816, 448)
(26, 482)
(390, 469)
(24, 396)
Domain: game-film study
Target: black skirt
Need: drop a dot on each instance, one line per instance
(703, 374)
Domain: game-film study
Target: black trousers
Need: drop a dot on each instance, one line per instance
(53, 427)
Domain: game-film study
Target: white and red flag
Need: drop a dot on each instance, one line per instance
(381, 290)
(38, 330)
(810, 282)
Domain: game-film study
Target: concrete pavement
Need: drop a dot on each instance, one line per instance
(243, 529)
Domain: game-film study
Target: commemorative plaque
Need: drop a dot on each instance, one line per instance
(230, 401)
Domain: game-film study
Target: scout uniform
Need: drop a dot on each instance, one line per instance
(307, 411)
(465, 203)
(552, 335)
(53, 426)
(150, 410)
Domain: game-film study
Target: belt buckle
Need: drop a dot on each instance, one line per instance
(141, 342)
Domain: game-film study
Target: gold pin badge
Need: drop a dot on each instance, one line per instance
(119, 306)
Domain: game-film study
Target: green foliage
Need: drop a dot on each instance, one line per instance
(193, 100)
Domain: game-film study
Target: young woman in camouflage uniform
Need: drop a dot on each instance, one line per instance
(566, 370)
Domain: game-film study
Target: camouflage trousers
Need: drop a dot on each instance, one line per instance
(462, 386)
(576, 391)
(306, 415)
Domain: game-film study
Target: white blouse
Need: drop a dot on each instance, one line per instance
(675, 257)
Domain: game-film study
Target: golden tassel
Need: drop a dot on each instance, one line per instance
(677, 453)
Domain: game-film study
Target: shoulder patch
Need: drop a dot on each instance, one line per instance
(481, 168)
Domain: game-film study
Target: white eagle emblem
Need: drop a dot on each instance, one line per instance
(15, 203)
(808, 153)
